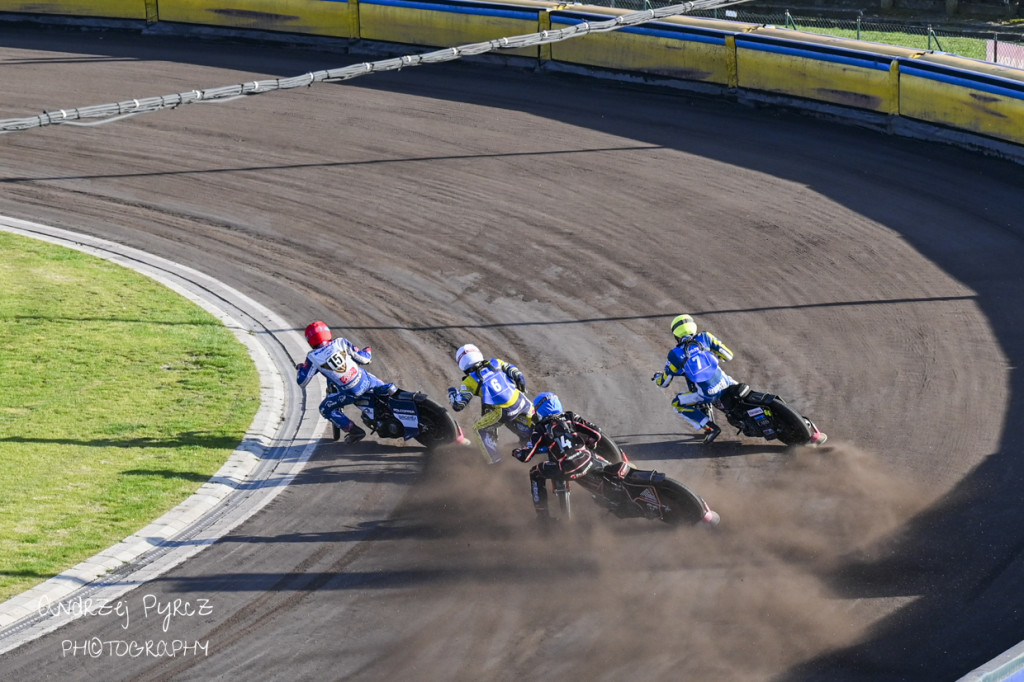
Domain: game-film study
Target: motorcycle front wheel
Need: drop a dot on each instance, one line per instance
(561, 490)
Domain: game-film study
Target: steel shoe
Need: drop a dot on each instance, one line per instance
(355, 434)
(711, 432)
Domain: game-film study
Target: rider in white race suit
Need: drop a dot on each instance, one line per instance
(339, 362)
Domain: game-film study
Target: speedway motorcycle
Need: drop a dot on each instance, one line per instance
(628, 492)
(765, 415)
(407, 415)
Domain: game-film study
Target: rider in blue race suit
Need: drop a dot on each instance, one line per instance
(500, 386)
(696, 356)
(339, 361)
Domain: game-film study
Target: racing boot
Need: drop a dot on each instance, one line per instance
(711, 432)
(355, 434)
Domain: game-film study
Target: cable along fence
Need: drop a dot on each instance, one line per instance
(116, 111)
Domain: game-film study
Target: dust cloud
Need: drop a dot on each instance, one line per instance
(619, 599)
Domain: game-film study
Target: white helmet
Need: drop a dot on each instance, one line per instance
(467, 356)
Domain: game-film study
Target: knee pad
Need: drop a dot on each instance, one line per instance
(693, 416)
(339, 418)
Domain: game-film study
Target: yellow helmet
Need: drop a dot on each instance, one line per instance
(684, 326)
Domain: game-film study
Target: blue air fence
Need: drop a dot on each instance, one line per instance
(998, 46)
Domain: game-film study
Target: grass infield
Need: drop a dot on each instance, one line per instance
(975, 48)
(118, 399)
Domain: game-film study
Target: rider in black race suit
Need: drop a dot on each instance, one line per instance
(567, 439)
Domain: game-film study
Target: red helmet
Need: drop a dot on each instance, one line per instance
(318, 333)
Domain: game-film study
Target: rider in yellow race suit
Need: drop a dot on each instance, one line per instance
(500, 386)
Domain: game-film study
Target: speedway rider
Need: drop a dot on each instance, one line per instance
(696, 357)
(568, 441)
(500, 386)
(338, 360)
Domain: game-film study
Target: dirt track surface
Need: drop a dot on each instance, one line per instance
(561, 223)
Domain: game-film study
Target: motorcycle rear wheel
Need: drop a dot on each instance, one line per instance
(682, 506)
(436, 426)
(609, 450)
(793, 428)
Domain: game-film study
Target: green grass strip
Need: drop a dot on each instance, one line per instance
(974, 48)
(118, 399)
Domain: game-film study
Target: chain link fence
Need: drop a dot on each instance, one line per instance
(992, 45)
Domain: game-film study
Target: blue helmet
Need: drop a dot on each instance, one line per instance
(547, 405)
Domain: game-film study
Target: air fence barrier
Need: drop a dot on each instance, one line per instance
(998, 43)
(909, 91)
(959, 100)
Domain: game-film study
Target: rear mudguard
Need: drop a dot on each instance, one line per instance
(644, 477)
(764, 415)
